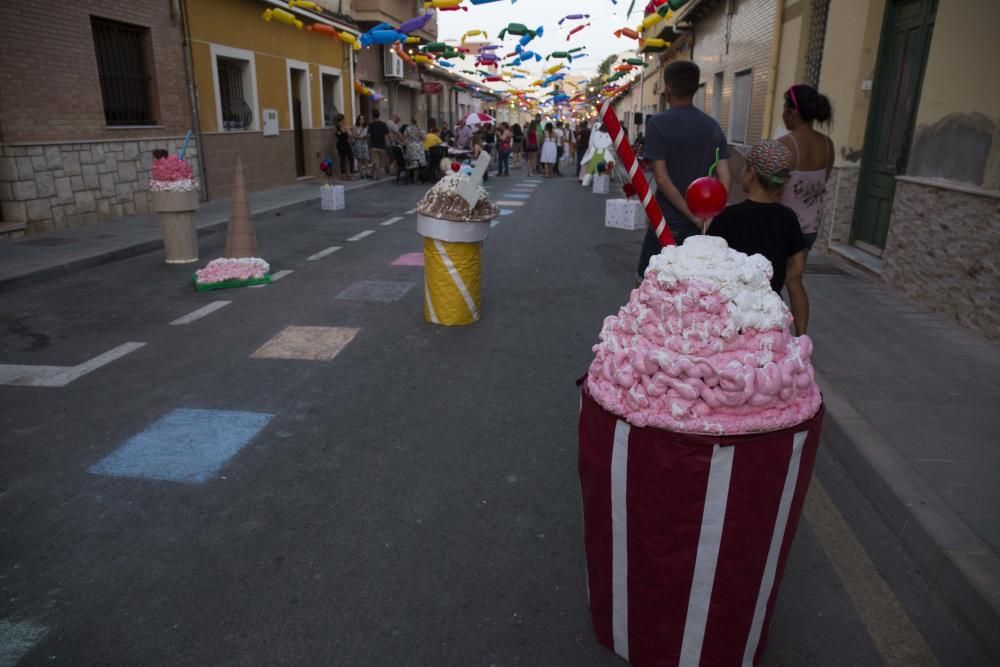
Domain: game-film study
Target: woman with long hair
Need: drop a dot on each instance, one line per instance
(413, 148)
(812, 157)
(344, 149)
(504, 139)
(359, 145)
(531, 147)
(550, 150)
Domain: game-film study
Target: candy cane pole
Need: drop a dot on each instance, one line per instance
(653, 212)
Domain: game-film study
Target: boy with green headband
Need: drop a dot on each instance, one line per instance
(760, 225)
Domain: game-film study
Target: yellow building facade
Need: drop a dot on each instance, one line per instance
(915, 192)
(268, 92)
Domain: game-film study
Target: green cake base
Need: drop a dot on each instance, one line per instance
(226, 284)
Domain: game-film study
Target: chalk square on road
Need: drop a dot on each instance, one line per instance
(410, 259)
(383, 291)
(515, 195)
(306, 343)
(184, 446)
(17, 638)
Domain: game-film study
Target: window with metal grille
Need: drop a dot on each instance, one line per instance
(237, 114)
(122, 66)
(331, 96)
(739, 118)
(819, 10)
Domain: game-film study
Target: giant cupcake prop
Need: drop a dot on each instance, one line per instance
(698, 431)
(454, 230)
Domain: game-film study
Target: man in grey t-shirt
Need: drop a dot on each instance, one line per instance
(681, 144)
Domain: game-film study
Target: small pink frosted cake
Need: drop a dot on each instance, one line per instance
(703, 346)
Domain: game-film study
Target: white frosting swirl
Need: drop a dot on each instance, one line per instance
(742, 281)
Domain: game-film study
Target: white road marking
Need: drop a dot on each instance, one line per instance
(200, 313)
(411, 211)
(494, 223)
(323, 253)
(888, 624)
(391, 221)
(361, 235)
(504, 202)
(276, 276)
(60, 376)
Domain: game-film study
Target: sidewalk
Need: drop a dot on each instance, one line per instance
(25, 261)
(913, 415)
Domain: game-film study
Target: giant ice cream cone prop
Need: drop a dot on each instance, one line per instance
(454, 219)
(174, 197)
(241, 239)
(698, 430)
(240, 267)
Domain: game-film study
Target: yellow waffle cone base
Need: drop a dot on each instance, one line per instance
(452, 282)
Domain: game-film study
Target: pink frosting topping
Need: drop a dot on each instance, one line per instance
(703, 346)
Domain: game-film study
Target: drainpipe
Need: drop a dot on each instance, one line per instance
(355, 109)
(193, 96)
(772, 72)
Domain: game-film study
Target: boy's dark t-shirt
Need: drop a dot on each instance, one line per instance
(378, 130)
(771, 230)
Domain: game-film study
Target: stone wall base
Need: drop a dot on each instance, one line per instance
(942, 251)
(55, 186)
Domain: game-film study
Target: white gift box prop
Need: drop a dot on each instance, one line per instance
(331, 197)
(602, 184)
(624, 214)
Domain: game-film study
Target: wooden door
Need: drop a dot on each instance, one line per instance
(899, 71)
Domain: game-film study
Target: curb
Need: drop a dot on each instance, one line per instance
(205, 229)
(956, 563)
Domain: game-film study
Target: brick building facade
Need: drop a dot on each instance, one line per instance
(732, 45)
(87, 93)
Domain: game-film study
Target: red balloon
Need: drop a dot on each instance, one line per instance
(455, 166)
(706, 197)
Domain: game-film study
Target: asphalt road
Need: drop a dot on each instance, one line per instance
(413, 501)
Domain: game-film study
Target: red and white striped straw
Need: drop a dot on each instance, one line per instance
(653, 212)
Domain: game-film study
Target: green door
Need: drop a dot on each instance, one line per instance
(906, 37)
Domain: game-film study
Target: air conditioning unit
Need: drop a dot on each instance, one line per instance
(393, 65)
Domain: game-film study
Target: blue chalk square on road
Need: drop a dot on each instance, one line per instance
(506, 211)
(17, 638)
(376, 290)
(516, 195)
(184, 446)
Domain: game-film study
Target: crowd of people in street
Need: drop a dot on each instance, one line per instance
(372, 147)
(784, 180)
